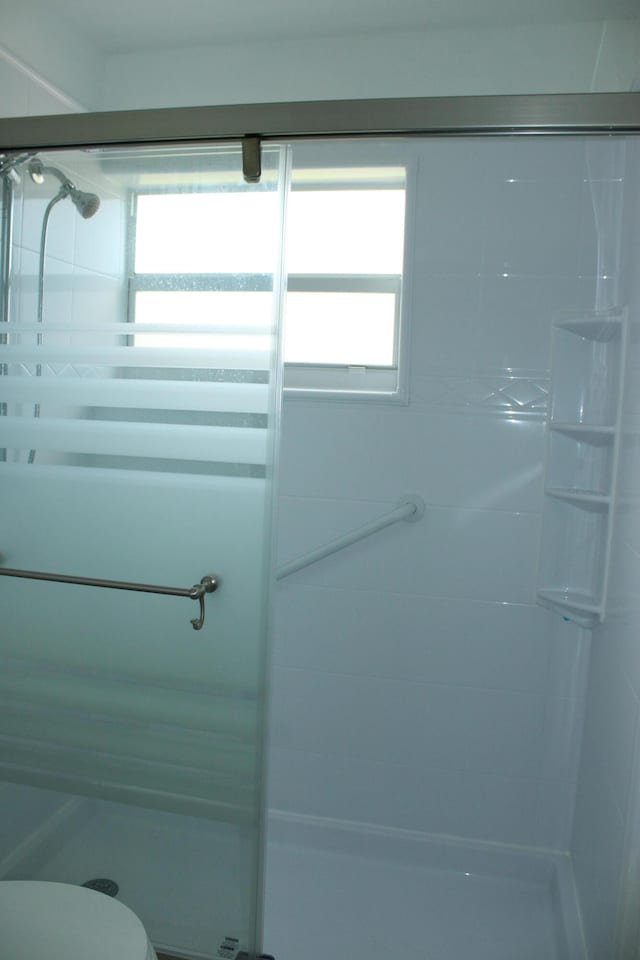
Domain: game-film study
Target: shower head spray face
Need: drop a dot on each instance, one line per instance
(87, 204)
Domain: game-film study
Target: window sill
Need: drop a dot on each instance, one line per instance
(342, 383)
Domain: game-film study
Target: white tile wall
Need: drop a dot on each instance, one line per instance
(444, 556)
(416, 684)
(414, 797)
(500, 646)
(422, 451)
(604, 844)
(84, 258)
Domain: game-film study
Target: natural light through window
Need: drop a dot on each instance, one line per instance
(202, 274)
(200, 232)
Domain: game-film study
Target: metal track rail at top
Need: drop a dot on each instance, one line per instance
(589, 113)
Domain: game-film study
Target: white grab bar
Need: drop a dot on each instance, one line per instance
(409, 508)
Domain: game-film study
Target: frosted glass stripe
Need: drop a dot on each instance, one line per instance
(190, 484)
(180, 752)
(220, 358)
(120, 778)
(151, 394)
(180, 747)
(167, 441)
(134, 769)
(88, 329)
(206, 716)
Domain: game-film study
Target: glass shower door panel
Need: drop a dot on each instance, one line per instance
(139, 397)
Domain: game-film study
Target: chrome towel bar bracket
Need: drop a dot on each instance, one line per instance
(197, 592)
(207, 585)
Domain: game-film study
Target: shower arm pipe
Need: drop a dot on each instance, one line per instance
(6, 251)
(208, 584)
(409, 508)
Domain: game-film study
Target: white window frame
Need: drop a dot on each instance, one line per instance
(316, 381)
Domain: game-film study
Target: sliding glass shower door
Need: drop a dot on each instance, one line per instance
(138, 386)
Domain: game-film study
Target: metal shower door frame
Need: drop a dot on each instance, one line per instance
(549, 114)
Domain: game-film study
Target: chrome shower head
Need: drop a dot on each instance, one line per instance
(87, 204)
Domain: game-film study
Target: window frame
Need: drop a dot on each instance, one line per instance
(303, 380)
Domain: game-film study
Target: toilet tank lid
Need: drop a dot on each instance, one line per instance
(62, 921)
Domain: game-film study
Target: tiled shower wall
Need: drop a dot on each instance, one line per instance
(24, 93)
(85, 265)
(416, 683)
(606, 843)
(91, 251)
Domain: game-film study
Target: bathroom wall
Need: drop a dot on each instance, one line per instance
(605, 847)
(26, 92)
(443, 61)
(465, 719)
(416, 684)
(48, 64)
(71, 60)
(526, 58)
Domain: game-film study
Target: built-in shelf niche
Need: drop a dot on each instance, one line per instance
(583, 445)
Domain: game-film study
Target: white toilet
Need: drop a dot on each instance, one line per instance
(59, 921)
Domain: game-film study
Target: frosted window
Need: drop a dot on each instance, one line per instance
(224, 232)
(345, 231)
(200, 258)
(218, 314)
(340, 328)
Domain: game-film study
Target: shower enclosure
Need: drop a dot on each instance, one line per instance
(141, 348)
(147, 265)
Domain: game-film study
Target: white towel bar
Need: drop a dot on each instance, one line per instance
(409, 508)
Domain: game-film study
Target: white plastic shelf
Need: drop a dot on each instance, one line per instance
(583, 443)
(587, 360)
(592, 433)
(602, 328)
(587, 498)
(582, 608)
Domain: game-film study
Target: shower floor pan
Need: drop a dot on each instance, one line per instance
(182, 876)
(331, 888)
(372, 894)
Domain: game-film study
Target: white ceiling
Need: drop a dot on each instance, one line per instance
(115, 26)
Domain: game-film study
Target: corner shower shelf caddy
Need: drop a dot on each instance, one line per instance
(583, 449)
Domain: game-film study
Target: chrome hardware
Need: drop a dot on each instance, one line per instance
(251, 160)
(197, 592)
(206, 585)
